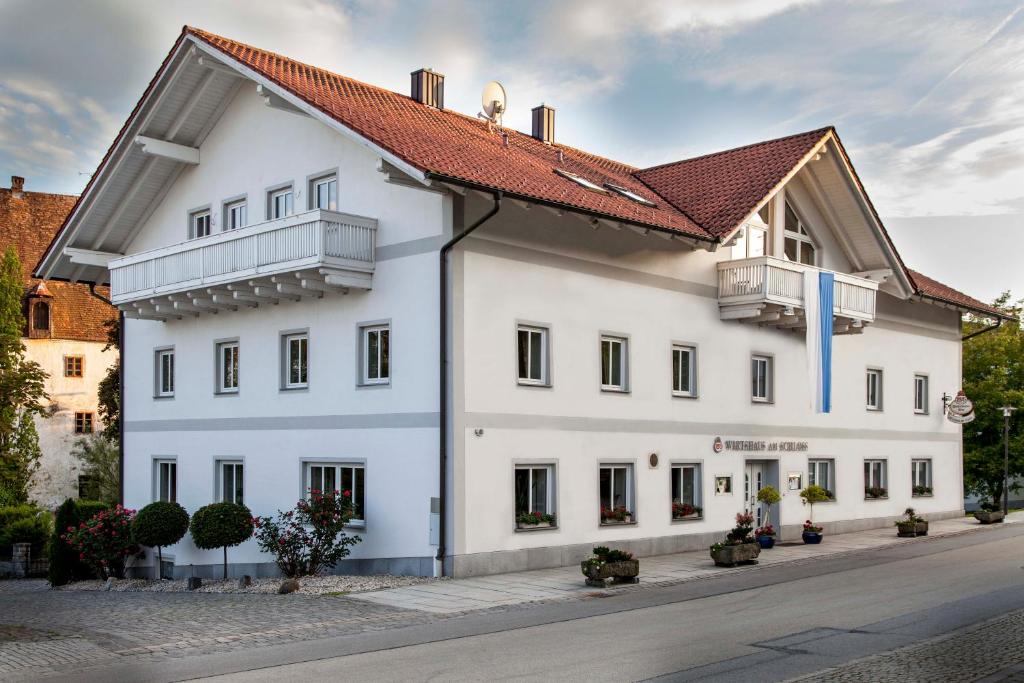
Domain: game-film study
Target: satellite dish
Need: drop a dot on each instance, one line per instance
(493, 101)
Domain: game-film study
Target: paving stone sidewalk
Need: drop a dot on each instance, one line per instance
(484, 592)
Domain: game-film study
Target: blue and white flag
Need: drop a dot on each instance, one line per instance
(818, 295)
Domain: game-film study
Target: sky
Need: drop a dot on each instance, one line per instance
(926, 95)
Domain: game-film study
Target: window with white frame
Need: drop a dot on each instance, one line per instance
(532, 354)
(235, 215)
(921, 394)
(875, 479)
(376, 353)
(230, 481)
(921, 476)
(340, 477)
(752, 238)
(295, 356)
(686, 491)
(874, 389)
(615, 489)
(323, 193)
(535, 491)
(199, 224)
(614, 363)
(761, 379)
(164, 373)
(166, 476)
(280, 203)
(822, 473)
(684, 366)
(227, 367)
(798, 244)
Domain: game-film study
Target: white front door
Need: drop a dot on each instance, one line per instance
(753, 482)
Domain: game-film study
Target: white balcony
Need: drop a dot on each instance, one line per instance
(770, 291)
(305, 255)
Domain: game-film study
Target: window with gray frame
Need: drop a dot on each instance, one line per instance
(340, 477)
(532, 354)
(323, 193)
(684, 366)
(615, 489)
(686, 491)
(166, 476)
(227, 367)
(761, 379)
(874, 389)
(614, 363)
(199, 224)
(235, 215)
(921, 394)
(376, 354)
(295, 354)
(821, 473)
(231, 481)
(534, 489)
(165, 373)
(921, 476)
(875, 479)
(280, 203)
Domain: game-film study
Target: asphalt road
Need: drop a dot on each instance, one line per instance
(770, 624)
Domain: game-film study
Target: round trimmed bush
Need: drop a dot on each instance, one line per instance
(221, 525)
(159, 524)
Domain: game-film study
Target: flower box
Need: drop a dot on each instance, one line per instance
(598, 573)
(732, 555)
(628, 519)
(534, 525)
(986, 517)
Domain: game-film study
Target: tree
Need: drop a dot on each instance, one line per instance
(769, 495)
(993, 371)
(811, 495)
(109, 392)
(158, 524)
(22, 387)
(221, 525)
(101, 465)
(65, 565)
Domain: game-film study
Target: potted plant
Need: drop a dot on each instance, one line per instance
(739, 546)
(767, 496)
(685, 511)
(920, 491)
(907, 528)
(811, 495)
(616, 565)
(534, 520)
(616, 515)
(875, 492)
(988, 513)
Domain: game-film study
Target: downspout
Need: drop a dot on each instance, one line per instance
(120, 392)
(999, 322)
(443, 365)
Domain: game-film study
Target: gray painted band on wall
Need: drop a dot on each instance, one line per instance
(423, 245)
(630, 426)
(216, 424)
(910, 328)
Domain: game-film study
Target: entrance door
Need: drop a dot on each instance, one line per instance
(753, 482)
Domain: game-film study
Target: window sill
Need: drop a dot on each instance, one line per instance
(163, 398)
(873, 410)
(374, 385)
(632, 523)
(532, 528)
(684, 520)
(293, 390)
(676, 394)
(761, 402)
(614, 390)
(878, 498)
(225, 393)
(922, 495)
(534, 385)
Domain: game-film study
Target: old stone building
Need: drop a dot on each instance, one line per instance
(64, 333)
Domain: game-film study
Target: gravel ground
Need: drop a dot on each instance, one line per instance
(310, 585)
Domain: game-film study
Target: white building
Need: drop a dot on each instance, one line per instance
(64, 334)
(614, 337)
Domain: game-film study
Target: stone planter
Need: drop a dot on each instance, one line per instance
(732, 555)
(989, 517)
(922, 528)
(621, 571)
(538, 525)
(906, 529)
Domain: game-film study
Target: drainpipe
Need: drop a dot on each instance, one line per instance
(999, 322)
(120, 392)
(442, 432)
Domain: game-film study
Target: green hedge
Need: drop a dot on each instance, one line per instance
(25, 524)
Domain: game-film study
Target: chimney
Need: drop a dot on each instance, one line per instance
(17, 185)
(428, 88)
(544, 123)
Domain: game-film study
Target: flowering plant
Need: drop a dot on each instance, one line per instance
(534, 518)
(615, 514)
(104, 541)
(741, 533)
(681, 510)
(311, 537)
(812, 528)
(766, 530)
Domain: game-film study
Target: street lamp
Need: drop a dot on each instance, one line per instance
(1007, 412)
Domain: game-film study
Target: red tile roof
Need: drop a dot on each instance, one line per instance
(28, 223)
(933, 289)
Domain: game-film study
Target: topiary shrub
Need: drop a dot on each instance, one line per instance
(65, 566)
(159, 524)
(221, 525)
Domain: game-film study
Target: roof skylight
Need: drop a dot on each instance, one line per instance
(629, 194)
(593, 187)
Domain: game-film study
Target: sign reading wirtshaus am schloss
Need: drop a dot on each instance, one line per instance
(768, 446)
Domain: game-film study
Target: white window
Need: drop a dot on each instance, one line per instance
(535, 489)
(280, 203)
(235, 215)
(581, 181)
(199, 224)
(875, 479)
(227, 367)
(340, 477)
(532, 346)
(166, 476)
(686, 491)
(798, 244)
(684, 366)
(921, 477)
(874, 389)
(921, 394)
(761, 379)
(230, 481)
(323, 193)
(376, 353)
(752, 238)
(615, 488)
(165, 372)
(629, 194)
(614, 362)
(821, 473)
(295, 353)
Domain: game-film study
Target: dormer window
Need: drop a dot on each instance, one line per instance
(752, 239)
(799, 246)
(593, 187)
(629, 194)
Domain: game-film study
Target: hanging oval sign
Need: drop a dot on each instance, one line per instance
(718, 446)
(961, 409)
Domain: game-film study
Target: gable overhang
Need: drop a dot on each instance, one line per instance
(162, 136)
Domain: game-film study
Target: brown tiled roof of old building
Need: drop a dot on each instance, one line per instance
(28, 221)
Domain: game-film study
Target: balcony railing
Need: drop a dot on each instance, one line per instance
(324, 243)
(767, 289)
